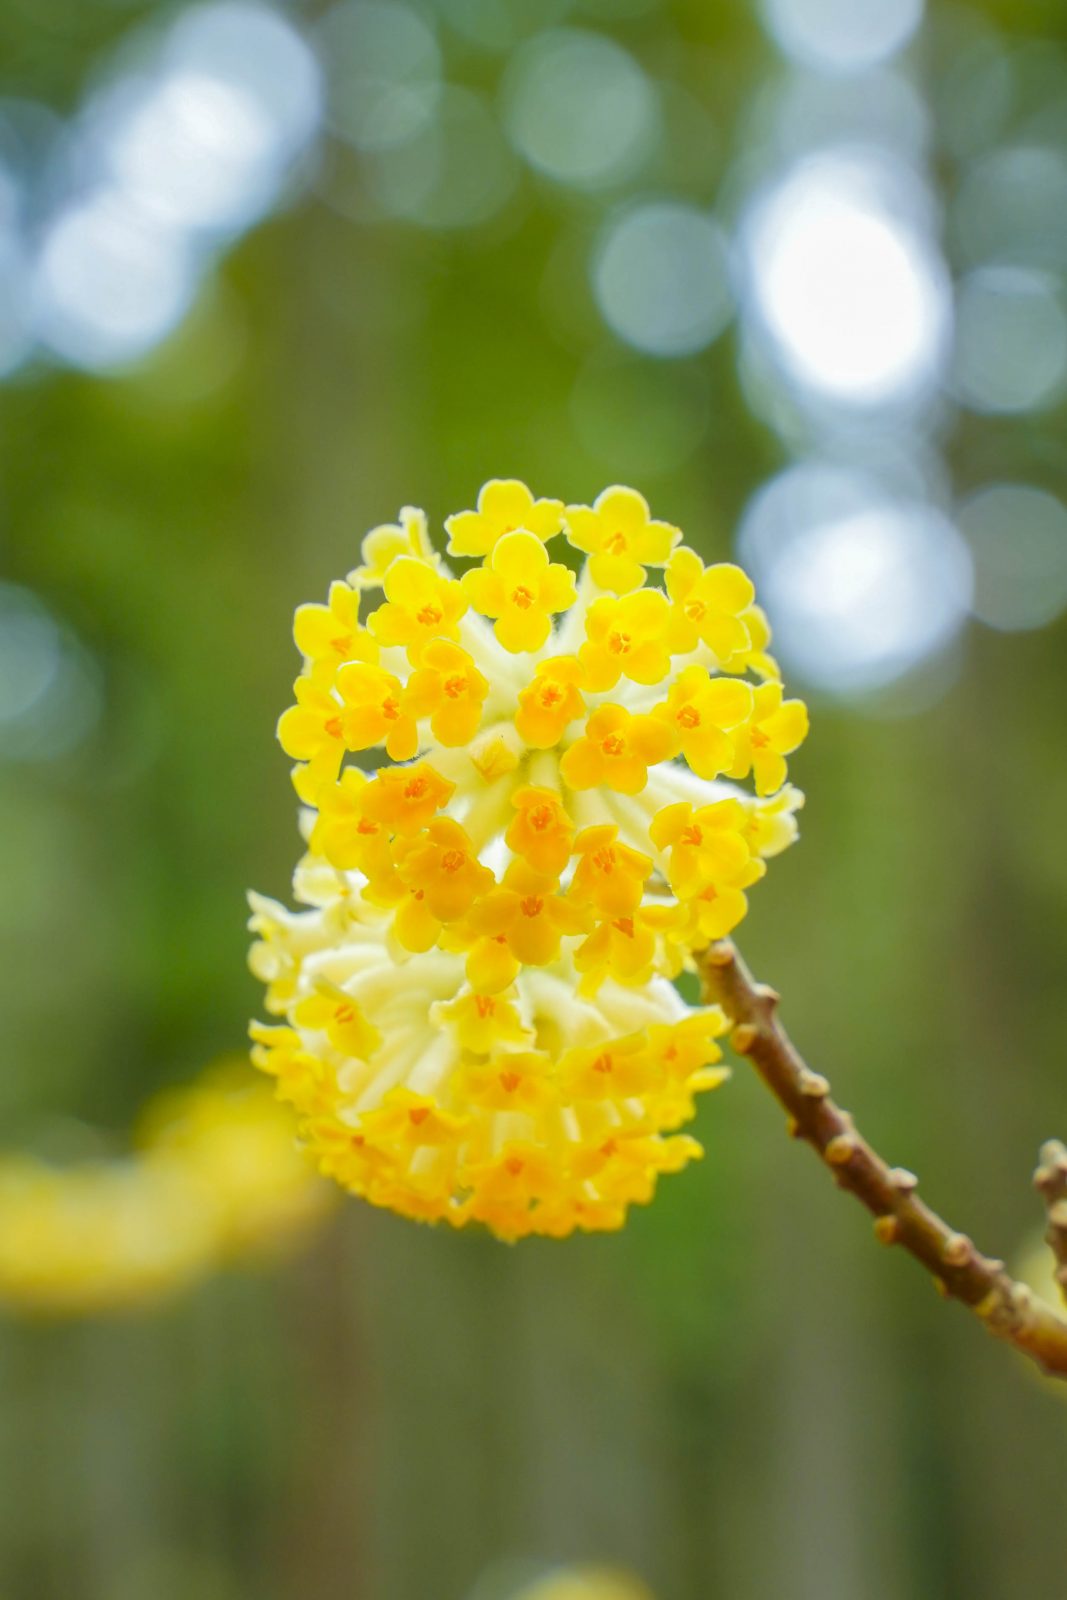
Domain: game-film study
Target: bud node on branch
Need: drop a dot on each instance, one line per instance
(958, 1269)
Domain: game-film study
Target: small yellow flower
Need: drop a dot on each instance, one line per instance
(448, 688)
(709, 603)
(443, 876)
(620, 538)
(340, 1018)
(707, 845)
(627, 638)
(313, 729)
(406, 799)
(771, 824)
(504, 506)
(756, 658)
(522, 589)
(343, 833)
(375, 712)
(483, 1021)
(701, 710)
(519, 1081)
(327, 635)
(614, 1068)
(540, 832)
(610, 876)
(420, 605)
(529, 915)
(616, 751)
(548, 705)
(776, 728)
(384, 545)
(621, 947)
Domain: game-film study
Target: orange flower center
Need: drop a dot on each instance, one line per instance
(485, 1005)
(333, 727)
(452, 860)
(692, 835)
(429, 616)
(415, 789)
(625, 925)
(613, 745)
(509, 1081)
(532, 905)
(689, 717)
(604, 860)
(551, 694)
(390, 709)
(619, 643)
(540, 817)
(616, 544)
(522, 597)
(760, 740)
(454, 687)
(603, 1063)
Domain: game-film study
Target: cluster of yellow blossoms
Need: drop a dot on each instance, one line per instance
(480, 1022)
(217, 1176)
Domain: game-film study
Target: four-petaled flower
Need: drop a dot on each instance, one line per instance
(549, 704)
(420, 605)
(448, 688)
(627, 638)
(504, 506)
(616, 751)
(776, 728)
(522, 589)
(621, 539)
(702, 710)
(710, 604)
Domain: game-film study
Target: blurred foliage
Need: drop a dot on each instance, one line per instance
(738, 1396)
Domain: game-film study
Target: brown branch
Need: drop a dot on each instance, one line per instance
(1050, 1180)
(1009, 1309)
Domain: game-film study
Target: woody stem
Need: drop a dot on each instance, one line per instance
(1050, 1180)
(1009, 1309)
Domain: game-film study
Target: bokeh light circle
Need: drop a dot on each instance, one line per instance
(850, 291)
(1018, 537)
(661, 278)
(578, 107)
(1011, 340)
(861, 585)
(841, 35)
(383, 72)
(109, 284)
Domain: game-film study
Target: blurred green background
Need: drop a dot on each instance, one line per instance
(795, 271)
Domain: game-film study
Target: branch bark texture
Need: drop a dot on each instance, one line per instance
(1009, 1309)
(1051, 1180)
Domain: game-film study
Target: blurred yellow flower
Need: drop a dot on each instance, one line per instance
(476, 1013)
(217, 1175)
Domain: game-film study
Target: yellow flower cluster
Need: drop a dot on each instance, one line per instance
(479, 1018)
(217, 1176)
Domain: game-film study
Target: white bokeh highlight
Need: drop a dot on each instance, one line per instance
(850, 292)
(661, 278)
(579, 108)
(861, 585)
(841, 35)
(1018, 538)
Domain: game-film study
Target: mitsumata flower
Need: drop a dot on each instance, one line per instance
(476, 1017)
(215, 1177)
